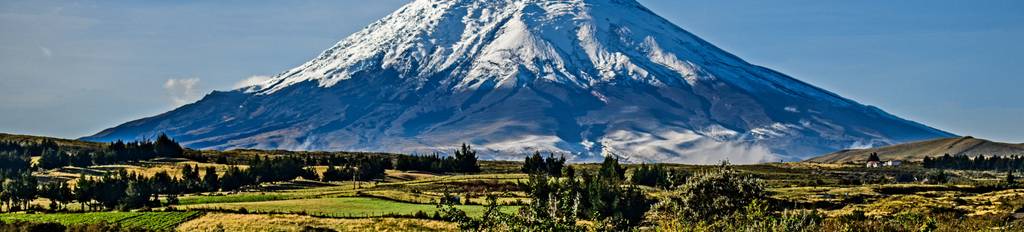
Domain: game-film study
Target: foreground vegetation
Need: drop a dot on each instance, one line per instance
(153, 221)
(48, 186)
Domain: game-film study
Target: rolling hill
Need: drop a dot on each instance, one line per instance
(70, 143)
(916, 151)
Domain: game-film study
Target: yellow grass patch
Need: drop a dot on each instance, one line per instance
(252, 222)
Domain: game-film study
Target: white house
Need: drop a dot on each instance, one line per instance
(878, 164)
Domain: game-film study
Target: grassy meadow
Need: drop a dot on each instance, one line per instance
(879, 198)
(389, 205)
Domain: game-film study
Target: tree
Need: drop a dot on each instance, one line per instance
(309, 173)
(58, 193)
(1010, 179)
(84, 190)
(22, 189)
(137, 194)
(81, 160)
(550, 166)
(163, 182)
(332, 174)
(466, 159)
(210, 181)
(166, 146)
(874, 157)
(233, 179)
(533, 163)
(52, 159)
(653, 175)
(427, 163)
(553, 166)
(190, 180)
(611, 169)
(109, 191)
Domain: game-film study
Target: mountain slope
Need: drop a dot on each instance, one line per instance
(583, 77)
(916, 151)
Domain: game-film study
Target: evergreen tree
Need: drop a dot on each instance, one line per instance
(190, 180)
(1010, 179)
(163, 183)
(233, 179)
(553, 166)
(137, 195)
(81, 160)
(332, 174)
(533, 163)
(210, 181)
(550, 166)
(466, 160)
(19, 190)
(874, 157)
(84, 191)
(610, 169)
(58, 193)
(52, 158)
(652, 175)
(165, 146)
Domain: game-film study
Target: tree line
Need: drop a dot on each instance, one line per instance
(981, 162)
(464, 160)
(653, 175)
(124, 191)
(52, 156)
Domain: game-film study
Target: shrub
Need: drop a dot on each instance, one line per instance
(712, 195)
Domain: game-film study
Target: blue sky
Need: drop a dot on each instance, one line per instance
(72, 68)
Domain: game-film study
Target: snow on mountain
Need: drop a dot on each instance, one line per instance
(586, 78)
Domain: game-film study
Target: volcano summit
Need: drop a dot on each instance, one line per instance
(582, 77)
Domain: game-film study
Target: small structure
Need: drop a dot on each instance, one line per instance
(874, 161)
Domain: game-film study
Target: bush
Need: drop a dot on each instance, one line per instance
(712, 195)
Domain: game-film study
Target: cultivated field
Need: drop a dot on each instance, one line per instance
(136, 220)
(256, 222)
(890, 198)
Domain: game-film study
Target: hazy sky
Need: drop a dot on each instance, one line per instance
(72, 68)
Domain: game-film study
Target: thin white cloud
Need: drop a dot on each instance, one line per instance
(253, 81)
(860, 145)
(46, 51)
(182, 91)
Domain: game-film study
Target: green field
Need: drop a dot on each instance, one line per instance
(341, 207)
(141, 220)
(844, 195)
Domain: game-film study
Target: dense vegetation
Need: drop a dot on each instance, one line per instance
(464, 161)
(550, 166)
(541, 193)
(963, 162)
(122, 190)
(556, 204)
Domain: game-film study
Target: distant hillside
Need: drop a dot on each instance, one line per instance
(916, 151)
(61, 142)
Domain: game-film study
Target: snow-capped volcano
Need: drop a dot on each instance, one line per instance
(582, 77)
